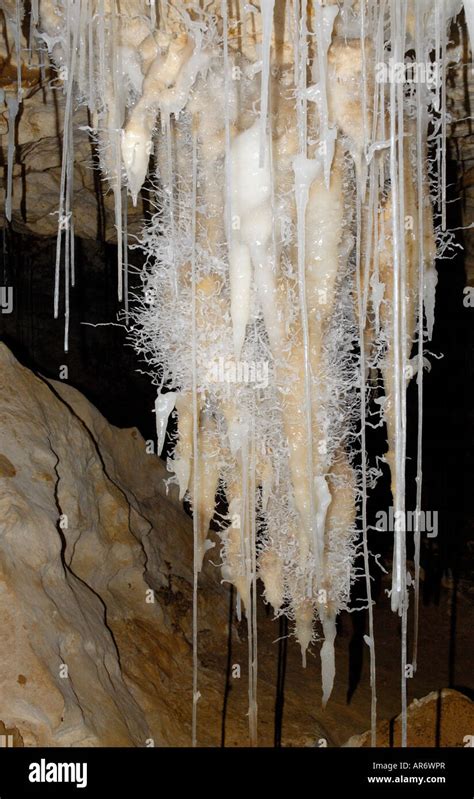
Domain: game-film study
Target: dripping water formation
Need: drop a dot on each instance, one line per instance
(264, 192)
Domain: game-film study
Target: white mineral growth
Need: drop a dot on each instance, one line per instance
(362, 284)
(304, 620)
(164, 405)
(91, 67)
(173, 100)
(399, 596)
(325, 17)
(125, 245)
(82, 82)
(166, 88)
(227, 162)
(233, 568)
(324, 257)
(267, 483)
(33, 25)
(429, 296)
(271, 572)
(444, 116)
(426, 300)
(152, 4)
(196, 475)
(420, 175)
(327, 654)
(252, 584)
(398, 570)
(266, 9)
(240, 276)
(181, 466)
(306, 171)
(207, 465)
(257, 253)
(69, 276)
(19, 13)
(181, 463)
(67, 144)
(101, 41)
(136, 149)
(250, 199)
(322, 502)
(116, 114)
(361, 302)
(234, 434)
(12, 106)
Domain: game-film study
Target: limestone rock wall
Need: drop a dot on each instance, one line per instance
(86, 529)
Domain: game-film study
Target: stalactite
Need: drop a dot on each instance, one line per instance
(196, 474)
(283, 281)
(19, 13)
(266, 8)
(12, 106)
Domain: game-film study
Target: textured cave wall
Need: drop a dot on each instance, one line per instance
(86, 531)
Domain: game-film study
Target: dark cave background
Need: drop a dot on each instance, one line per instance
(100, 362)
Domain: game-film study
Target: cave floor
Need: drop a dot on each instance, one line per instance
(445, 659)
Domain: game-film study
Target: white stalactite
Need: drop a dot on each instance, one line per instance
(287, 158)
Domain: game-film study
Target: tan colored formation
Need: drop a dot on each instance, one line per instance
(275, 240)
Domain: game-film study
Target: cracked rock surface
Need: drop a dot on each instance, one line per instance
(87, 533)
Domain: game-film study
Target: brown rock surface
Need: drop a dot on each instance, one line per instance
(99, 664)
(443, 718)
(37, 170)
